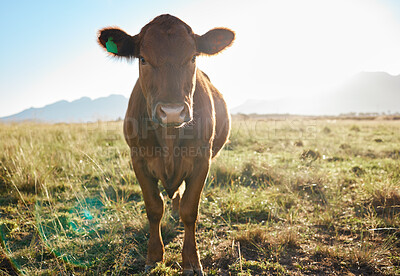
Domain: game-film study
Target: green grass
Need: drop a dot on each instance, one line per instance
(289, 196)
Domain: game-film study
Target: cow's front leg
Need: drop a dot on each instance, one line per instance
(188, 211)
(155, 210)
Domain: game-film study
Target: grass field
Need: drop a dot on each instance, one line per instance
(289, 196)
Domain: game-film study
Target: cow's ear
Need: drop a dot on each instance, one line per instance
(214, 41)
(118, 43)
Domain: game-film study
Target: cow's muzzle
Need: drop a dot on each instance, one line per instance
(171, 115)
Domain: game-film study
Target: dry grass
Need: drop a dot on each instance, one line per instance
(287, 196)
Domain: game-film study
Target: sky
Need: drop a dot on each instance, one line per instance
(283, 48)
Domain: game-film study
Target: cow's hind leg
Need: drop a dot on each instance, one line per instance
(188, 211)
(155, 210)
(177, 200)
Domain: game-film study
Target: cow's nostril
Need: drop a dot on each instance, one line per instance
(183, 113)
(161, 112)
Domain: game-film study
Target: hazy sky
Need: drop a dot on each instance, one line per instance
(284, 48)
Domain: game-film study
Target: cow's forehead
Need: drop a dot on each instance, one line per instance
(172, 44)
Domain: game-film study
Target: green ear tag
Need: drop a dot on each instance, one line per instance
(111, 46)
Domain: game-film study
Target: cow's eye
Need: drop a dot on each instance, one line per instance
(193, 59)
(142, 61)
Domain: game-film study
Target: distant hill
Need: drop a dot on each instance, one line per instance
(81, 110)
(367, 92)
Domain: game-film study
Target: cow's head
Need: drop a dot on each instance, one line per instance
(167, 50)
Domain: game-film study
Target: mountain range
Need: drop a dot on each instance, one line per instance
(367, 92)
(82, 110)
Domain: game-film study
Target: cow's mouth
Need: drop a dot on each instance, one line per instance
(171, 125)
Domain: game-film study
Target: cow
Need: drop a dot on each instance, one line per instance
(176, 122)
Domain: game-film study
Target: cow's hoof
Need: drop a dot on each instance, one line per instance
(148, 268)
(199, 272)
(188, 272)
(191, 272)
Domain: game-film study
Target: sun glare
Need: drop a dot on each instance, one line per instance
(287, 48)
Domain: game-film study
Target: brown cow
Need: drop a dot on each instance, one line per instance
(175, 123)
